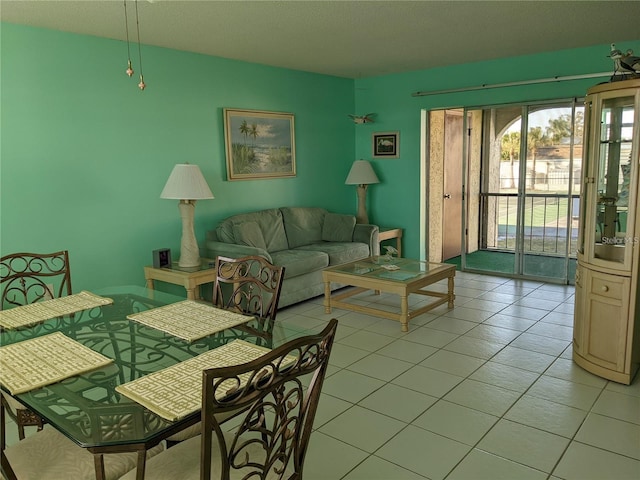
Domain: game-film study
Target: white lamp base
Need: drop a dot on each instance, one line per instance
(189, 252)
(361, 216)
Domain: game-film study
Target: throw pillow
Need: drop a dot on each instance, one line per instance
(338, 227)
(303, 225)
(249, 233)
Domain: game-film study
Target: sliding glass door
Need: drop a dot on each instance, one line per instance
(528, 198)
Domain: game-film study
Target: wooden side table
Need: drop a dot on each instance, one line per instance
(387, 233)
(190, 278)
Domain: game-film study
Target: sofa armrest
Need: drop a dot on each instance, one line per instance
(232, 250)
(368, 234)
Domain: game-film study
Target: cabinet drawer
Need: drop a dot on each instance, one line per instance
(607, 287)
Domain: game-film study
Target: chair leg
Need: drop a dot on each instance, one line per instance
(3, 433)
(142, 463)
(5, 467)
(98, 461)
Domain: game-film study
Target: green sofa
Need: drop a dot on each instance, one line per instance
(304, 240)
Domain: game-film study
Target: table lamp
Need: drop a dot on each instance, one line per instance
(187, 184)
(361, 174)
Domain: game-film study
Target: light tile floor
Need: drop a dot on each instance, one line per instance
(486, 390)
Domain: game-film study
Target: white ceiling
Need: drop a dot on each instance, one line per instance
(352, 39)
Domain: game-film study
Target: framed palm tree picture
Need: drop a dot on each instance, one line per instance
(259, 144)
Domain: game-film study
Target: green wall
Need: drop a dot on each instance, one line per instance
(85, 154)
(396, 200)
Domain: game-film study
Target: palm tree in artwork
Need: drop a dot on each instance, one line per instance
(244, 130)
(253, 131)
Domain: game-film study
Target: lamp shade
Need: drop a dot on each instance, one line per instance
(186, 182)
(361, 173)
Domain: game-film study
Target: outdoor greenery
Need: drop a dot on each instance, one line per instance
(544, 220)
(537, 213)
(558, 130)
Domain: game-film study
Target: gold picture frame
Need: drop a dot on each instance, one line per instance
(259, 144)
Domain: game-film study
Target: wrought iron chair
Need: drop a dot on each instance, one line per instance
(249, 285)
(273, 434)
(6, 472)
(50, 455)
(27, 278)
(30, 277)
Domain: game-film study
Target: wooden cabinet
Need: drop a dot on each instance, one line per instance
(607, 305)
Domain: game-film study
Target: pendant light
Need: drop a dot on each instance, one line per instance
(126, 26)
(141, 85)
(130, 70)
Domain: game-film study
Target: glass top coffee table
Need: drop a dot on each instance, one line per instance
(378, 274)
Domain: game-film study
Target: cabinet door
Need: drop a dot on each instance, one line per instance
(609, 188)
(578, 312)
(606, 315)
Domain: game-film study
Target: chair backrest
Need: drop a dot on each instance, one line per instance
(29, 277)
(248, 285)
(278, 394)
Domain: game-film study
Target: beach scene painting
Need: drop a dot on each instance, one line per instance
(259, 144)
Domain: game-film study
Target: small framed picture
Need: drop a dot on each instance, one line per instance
(386, 145)
(162, 258)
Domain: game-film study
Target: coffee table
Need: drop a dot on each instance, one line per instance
(374, 273)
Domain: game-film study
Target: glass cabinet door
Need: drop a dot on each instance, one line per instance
(612, 171)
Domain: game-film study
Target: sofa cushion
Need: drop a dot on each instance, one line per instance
(249, 233)
(269, 221)
(339, 252)
(298, 262)
(303, 225)
(338, 228)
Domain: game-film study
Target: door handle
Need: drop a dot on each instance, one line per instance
(447, 195)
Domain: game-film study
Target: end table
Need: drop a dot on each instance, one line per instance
(190, 278)
(387, 233)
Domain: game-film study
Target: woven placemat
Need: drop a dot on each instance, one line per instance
(45, 360)
(33, 313)
(189, 320)
(176, 391)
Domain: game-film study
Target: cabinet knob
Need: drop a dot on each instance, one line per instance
(604, 288)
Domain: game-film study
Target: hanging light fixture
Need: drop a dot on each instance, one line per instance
(129, 70)
(141, 85)
(126, 26)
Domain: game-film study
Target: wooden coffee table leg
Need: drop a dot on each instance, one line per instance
(327, 297)
(404, 313)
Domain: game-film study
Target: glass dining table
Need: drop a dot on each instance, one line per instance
(86, 407)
